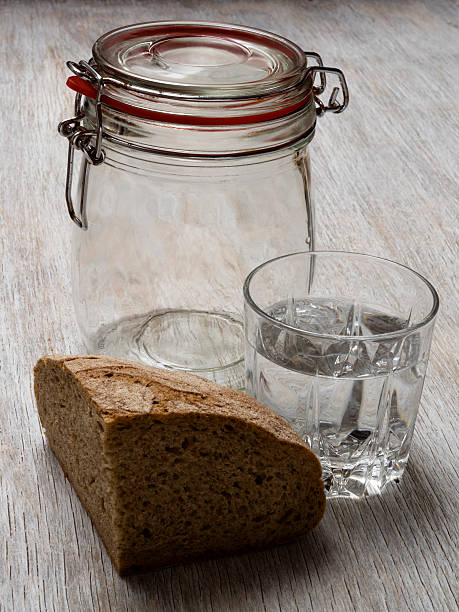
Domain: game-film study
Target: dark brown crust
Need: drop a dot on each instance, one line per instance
(186, 391)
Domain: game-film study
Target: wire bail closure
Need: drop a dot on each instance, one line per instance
(89, 142)
(333, 105)
(82, 139)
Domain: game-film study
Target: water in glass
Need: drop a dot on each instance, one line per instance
(354, 401)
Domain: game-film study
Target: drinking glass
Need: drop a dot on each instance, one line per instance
(338, 343)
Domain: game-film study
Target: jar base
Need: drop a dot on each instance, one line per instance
(208, 344)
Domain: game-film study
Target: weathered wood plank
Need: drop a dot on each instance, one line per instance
(386, 182)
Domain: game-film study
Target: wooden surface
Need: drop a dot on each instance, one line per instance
(386, 182)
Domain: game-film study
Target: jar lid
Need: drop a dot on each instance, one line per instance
(199, 73)
(201, 60)
(235, 89)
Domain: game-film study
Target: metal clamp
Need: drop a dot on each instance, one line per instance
(89, 142)
(333, 105)
(323, 81)
(82, 139)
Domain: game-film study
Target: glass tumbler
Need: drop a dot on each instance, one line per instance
(338, 344)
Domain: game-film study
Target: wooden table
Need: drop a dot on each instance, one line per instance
(386, 182)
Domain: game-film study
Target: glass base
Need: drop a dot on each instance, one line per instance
(361, 480)
(208, 344)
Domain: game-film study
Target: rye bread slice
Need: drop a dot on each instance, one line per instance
(172, 467)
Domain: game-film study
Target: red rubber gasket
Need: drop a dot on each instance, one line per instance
(82, 86)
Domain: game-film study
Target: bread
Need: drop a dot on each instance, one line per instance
(172, 467)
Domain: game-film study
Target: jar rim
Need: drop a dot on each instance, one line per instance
(209, 140)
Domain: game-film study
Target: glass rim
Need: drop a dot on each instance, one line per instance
(375, 337)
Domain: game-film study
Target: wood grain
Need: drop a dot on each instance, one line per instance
(386, 182)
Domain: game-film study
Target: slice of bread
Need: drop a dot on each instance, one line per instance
(172, 467)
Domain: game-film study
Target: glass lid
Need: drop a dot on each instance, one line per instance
(201, 59)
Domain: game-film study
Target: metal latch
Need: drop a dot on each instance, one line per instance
(333, 105)
(89, 142)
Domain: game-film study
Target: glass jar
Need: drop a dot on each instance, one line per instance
(195, 169)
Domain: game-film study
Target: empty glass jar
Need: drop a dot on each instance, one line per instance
(195, 169)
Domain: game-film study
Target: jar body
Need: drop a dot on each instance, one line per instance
(158, 274)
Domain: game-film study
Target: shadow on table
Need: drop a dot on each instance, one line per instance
(240, 582)
(360, 533)
(366, 530)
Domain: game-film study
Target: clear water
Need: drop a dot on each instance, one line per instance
(354, 401)
(208, 344)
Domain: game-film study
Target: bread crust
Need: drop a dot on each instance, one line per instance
(136, 416)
